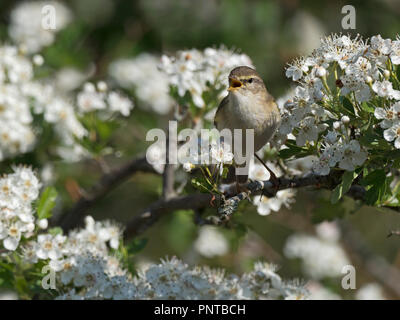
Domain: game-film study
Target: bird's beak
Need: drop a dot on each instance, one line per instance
(234, 84)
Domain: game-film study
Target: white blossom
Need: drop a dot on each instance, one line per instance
(351, 155)
(211, 242)
(119, 103)
(370, 291)
(17, 192)
(385, 89)
(393, 133)
(93, 98)
(321, 257)
(49, 247)
(265, 204)
(194, 71)
(150, 84)
(220, 153)
(26, 24)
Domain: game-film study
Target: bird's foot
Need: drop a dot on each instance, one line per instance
(212, 201)
(273, 178)
(238, 187)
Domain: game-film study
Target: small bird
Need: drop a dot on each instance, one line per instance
(248, 105)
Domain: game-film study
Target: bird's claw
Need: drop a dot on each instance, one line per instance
(212, 201)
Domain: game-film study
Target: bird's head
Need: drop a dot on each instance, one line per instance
(245, 80)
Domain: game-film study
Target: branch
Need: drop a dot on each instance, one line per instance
(393, 233)
(150, 215)
(106, 183)
(229, 203)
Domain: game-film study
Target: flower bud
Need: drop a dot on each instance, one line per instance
(320, 72)
(102, 86)
(43, 223)
(38, 59)
(345, 119)
(386, 74)
(336, 125)
(89, 87)
(368, 79)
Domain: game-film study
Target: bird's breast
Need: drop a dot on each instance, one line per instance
(251, 112)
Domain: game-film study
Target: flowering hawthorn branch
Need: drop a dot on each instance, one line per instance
(228, 206)
(329, 182)
(269, 189)
(106, 183)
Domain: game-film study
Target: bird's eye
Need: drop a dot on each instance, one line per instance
(250, 80)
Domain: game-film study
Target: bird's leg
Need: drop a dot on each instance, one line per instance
(273, 178)
(239, 188)
(237, 185)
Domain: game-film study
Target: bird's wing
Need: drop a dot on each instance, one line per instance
(223, 103)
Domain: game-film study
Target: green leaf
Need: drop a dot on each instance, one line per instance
(46, 203)
(348, 106)
(367, 107)
(225, 172)
(55, 231)
(293, 151)
(398, 72)
(347, 180)
(136, 246)
(393, 154)
(370, 138)
(374, 177)
(377, 185)
(106, 128)
(288, 153)
(201, 186)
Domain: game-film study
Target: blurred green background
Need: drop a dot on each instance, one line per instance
(272, 33)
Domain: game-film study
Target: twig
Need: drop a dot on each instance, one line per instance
(394, 233)
(106, 183)
(268, 188)
(149, 216)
